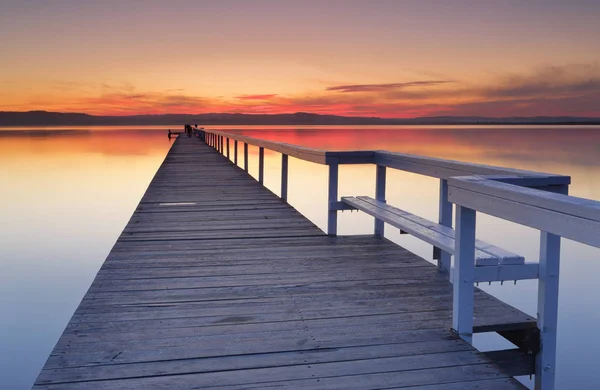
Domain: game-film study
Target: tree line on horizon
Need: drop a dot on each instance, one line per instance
(46, 118)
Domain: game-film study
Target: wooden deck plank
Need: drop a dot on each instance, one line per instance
(215, 282)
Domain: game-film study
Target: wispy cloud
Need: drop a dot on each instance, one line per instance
(385, 87)
(256, 97)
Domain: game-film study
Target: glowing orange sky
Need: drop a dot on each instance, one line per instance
(365, 58)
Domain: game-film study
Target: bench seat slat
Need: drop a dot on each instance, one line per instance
(505, 256)
(441, 236)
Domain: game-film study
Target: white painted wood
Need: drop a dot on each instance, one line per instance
(571, 205)
(245, 156)
(464, 274)
(504, 273)
(565, 225)
(445, 169)
(284, 177)
(435, 234)
(227, 147)
(428, 166)
(332, 199)
(380, 197)
(547, 316)
(303, 153)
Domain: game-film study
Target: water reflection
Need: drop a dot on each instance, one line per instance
(68, 192)
(65, 198)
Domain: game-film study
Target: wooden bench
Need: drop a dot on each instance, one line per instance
(431, 232)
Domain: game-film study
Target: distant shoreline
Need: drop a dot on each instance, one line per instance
(52, 119)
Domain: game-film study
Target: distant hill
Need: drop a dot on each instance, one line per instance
(45, 118)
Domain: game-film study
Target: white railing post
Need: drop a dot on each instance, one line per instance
(228, 147)
(547, 313)
(380, 196)
(246, 156)
(221, 144)
(464, 272)
(284, 177)
(445, 219)
(235, 152)
(332, 198)
(261, 165)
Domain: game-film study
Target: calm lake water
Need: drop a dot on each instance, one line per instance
(67, 193)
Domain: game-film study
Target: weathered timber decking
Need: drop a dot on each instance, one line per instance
(217, 283)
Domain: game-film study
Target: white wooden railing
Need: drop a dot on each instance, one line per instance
(533, 199)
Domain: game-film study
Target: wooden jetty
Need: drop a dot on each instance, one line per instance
(216, 282)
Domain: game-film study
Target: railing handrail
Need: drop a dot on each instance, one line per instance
(428, 166)
(567, 216)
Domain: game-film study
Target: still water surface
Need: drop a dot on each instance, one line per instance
(66, 194)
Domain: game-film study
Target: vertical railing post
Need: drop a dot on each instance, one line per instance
(246, 156)
(261, 165)
(464, 272)
(227, 147)
(235, 152)
(445, 219)
(547, 312)
(221, 149)
(380, 196)
(284, 177)
(332, 198)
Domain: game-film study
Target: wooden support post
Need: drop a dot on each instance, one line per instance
(332, 199)
(380, 196)
(235, 152)
(445, 219)
(284, 177)
(261, 165)
(220, 144)
(464, 272)
(246, 156)
(227, 147)
(547, 312)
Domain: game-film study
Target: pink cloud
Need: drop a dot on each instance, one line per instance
(256, 97)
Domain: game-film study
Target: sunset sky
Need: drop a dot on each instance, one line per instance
(365, 58)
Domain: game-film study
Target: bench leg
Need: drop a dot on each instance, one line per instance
(445, 219)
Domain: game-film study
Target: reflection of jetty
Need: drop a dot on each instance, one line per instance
(217, 282)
